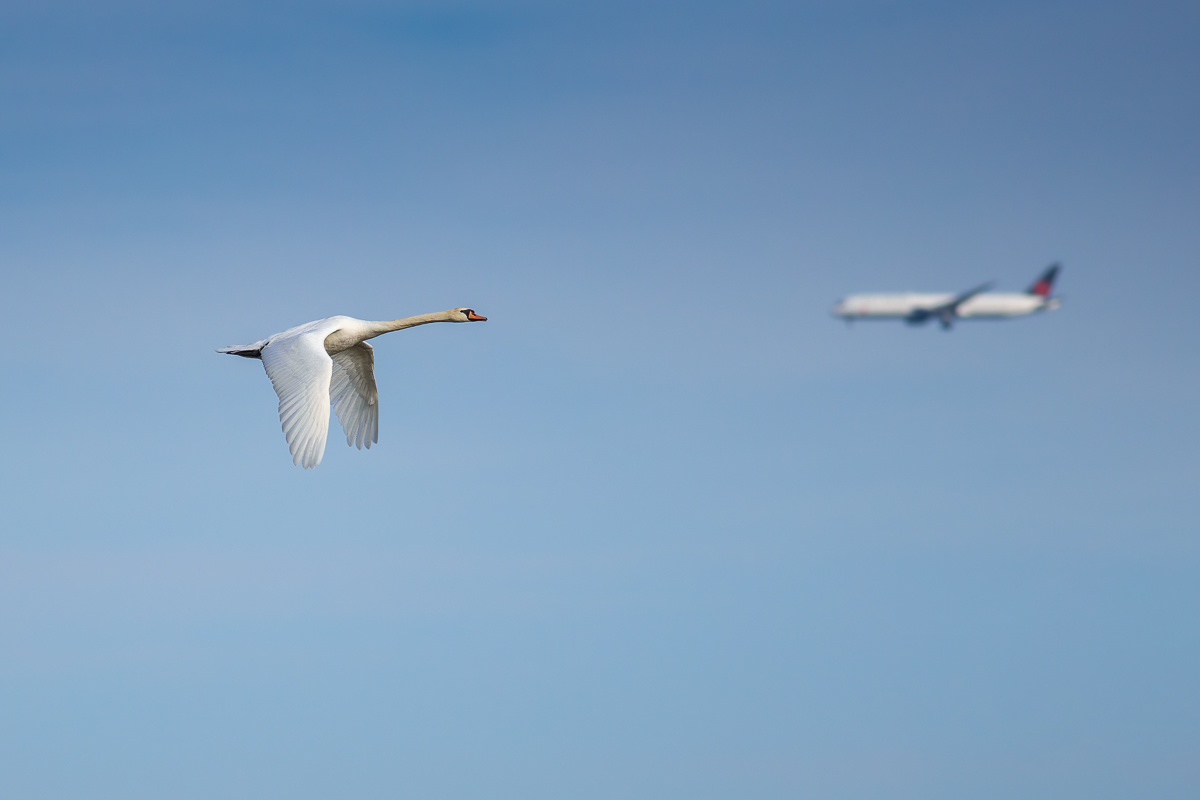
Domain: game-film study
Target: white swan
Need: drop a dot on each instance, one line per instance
(329, 361)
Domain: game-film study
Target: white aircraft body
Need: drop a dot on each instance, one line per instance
(977, 303)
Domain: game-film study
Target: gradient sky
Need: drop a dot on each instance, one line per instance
(662, 527)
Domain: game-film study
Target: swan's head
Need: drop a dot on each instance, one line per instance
(467, 315)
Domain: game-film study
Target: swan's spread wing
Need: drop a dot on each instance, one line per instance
(354, 396)
(299, 369)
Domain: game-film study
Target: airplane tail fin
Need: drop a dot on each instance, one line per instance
(1044, 285)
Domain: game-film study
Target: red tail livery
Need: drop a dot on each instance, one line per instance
(1045, 283)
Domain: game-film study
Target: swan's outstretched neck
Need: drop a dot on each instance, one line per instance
(357, 331)
(377, 328)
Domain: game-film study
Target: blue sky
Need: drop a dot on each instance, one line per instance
(661, 527)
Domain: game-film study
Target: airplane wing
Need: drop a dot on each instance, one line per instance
(946, 312)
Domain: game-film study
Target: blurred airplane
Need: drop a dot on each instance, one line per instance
(977, 303)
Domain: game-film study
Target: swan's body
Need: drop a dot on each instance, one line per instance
(329, 362)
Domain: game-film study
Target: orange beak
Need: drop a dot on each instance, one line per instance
(471, 315)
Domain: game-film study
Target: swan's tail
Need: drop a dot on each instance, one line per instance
(245, 350)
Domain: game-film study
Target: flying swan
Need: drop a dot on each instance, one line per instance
(329, 361)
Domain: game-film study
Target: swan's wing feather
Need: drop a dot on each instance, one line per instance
(354, 396)
(300, 369)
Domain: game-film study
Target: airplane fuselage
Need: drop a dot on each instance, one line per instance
(910, 305)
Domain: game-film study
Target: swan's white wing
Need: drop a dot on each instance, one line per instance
(354, 396)
(299, 369)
